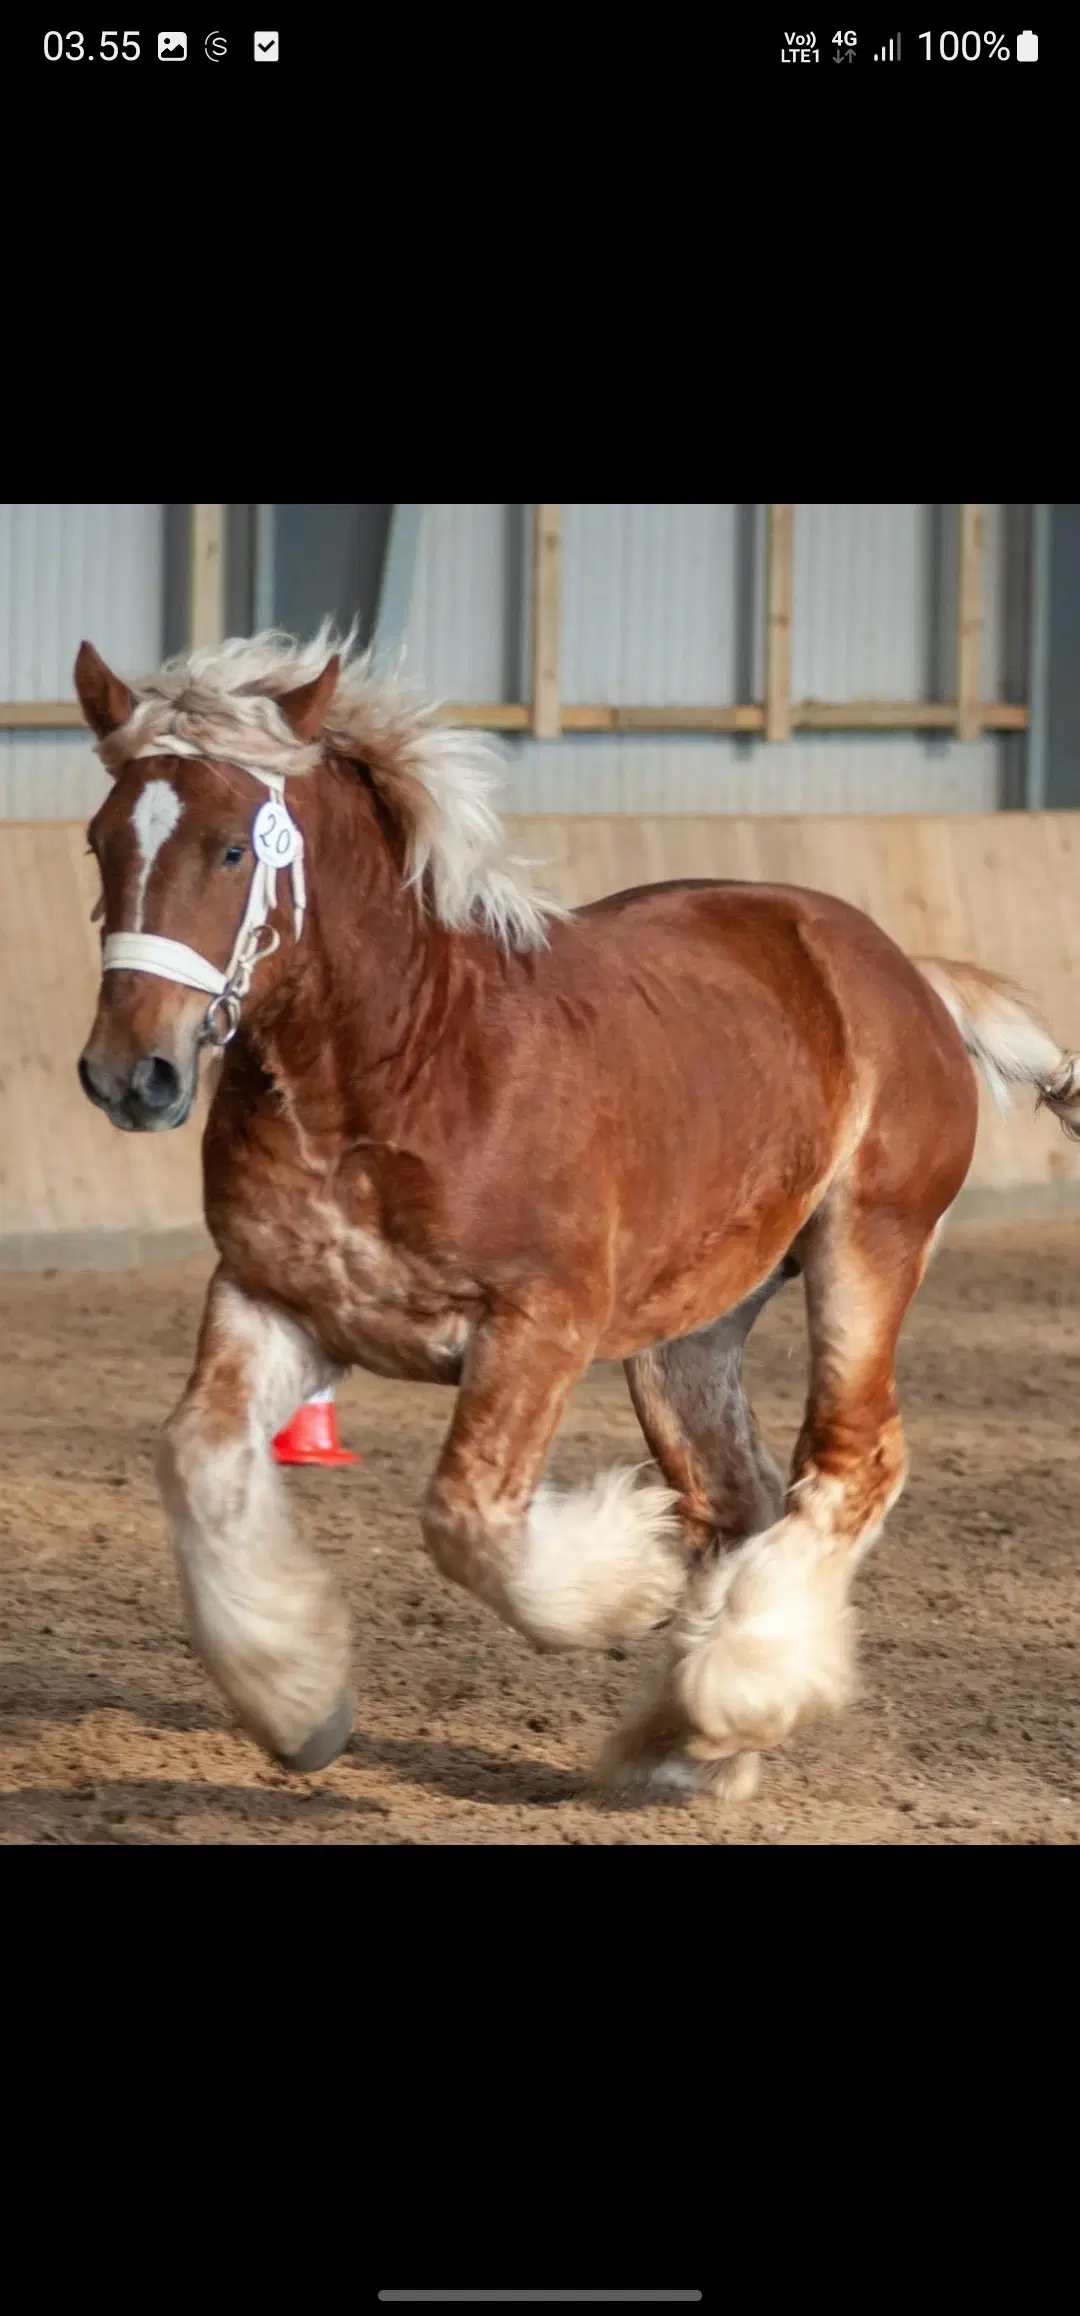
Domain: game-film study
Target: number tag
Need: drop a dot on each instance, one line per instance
(276, 837)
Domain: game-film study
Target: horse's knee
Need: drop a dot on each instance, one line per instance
(468, 1547)
(450, 1534)
(202, 1471)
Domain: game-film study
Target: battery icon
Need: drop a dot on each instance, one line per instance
(1027, 48)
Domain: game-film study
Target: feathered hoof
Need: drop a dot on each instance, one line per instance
(659, 1756)
(325, 1744)
(681, 1777)
(598, 1565)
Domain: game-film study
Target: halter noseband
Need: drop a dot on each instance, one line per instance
(276, 843)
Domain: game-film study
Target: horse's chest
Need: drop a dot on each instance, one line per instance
(372, 1300)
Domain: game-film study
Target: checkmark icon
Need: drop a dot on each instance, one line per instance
(266, 47)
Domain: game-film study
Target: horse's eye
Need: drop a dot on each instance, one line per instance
(235, 852)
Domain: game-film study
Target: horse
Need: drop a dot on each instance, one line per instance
(461, 1135)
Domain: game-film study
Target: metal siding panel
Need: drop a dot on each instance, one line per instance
(326, 559)
(827, 772)
(457, 643)
(993, 604)
(650, 611)
(1006, 602)
(69, 571)
(49, 776)
(649, 589)
(859, 601)
(758, 546)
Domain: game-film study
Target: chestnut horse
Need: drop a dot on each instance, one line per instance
(463, 1137)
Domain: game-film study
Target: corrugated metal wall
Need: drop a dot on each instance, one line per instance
(67, 572)
(467, 635)
(842, 772)
(662, 605)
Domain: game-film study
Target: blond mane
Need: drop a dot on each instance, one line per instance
(437, 783)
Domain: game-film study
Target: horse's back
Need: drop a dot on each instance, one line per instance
(851, 1008)
(729, 901)
(773, 929)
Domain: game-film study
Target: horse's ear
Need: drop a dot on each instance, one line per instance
(305, 708)
(105, 701)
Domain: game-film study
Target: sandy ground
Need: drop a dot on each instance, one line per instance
(968, 1729)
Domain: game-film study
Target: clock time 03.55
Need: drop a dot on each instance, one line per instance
(83, 47)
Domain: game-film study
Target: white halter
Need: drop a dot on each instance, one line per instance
(273, 832)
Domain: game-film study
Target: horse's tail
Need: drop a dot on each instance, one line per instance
(1007, 1038)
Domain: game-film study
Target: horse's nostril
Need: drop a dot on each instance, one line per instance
(92, 1081)
(156, 1082)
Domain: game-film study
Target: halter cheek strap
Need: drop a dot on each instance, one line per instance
(174, 961)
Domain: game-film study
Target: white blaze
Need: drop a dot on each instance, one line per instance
(157, 811)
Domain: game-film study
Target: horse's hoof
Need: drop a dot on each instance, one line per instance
(326, 1743)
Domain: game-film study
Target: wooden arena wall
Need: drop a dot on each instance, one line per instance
(1002, 889)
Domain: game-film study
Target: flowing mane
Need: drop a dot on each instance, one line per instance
(437, 783)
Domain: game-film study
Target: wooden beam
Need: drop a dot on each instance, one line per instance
(41, 716)
(873, 716)
(206, 579)
(547, 540)
(968, 620)
(628, 719)
(1035, 767)
(504, 716)
(804, 715)
(511, 716)
(778, 564)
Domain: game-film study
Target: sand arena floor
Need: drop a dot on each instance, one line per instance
(968, 1728)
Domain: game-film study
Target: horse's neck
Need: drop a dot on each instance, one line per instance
(346, 1024)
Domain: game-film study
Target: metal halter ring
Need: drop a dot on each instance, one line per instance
(229, 1003)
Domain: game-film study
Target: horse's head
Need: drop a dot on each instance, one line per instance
(187, 891)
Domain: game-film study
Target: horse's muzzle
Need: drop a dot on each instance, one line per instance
(143, 1097)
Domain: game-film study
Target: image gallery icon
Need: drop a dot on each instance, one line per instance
(172, 47)
(266, 47)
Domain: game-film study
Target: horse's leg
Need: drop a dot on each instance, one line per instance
(700, 1426)
(265, 1616)
(694, 1412)
(578, 1568)
(763, 1635)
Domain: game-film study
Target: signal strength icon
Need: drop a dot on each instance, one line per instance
(890, 54)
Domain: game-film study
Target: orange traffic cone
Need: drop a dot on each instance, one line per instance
(312, 1436)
